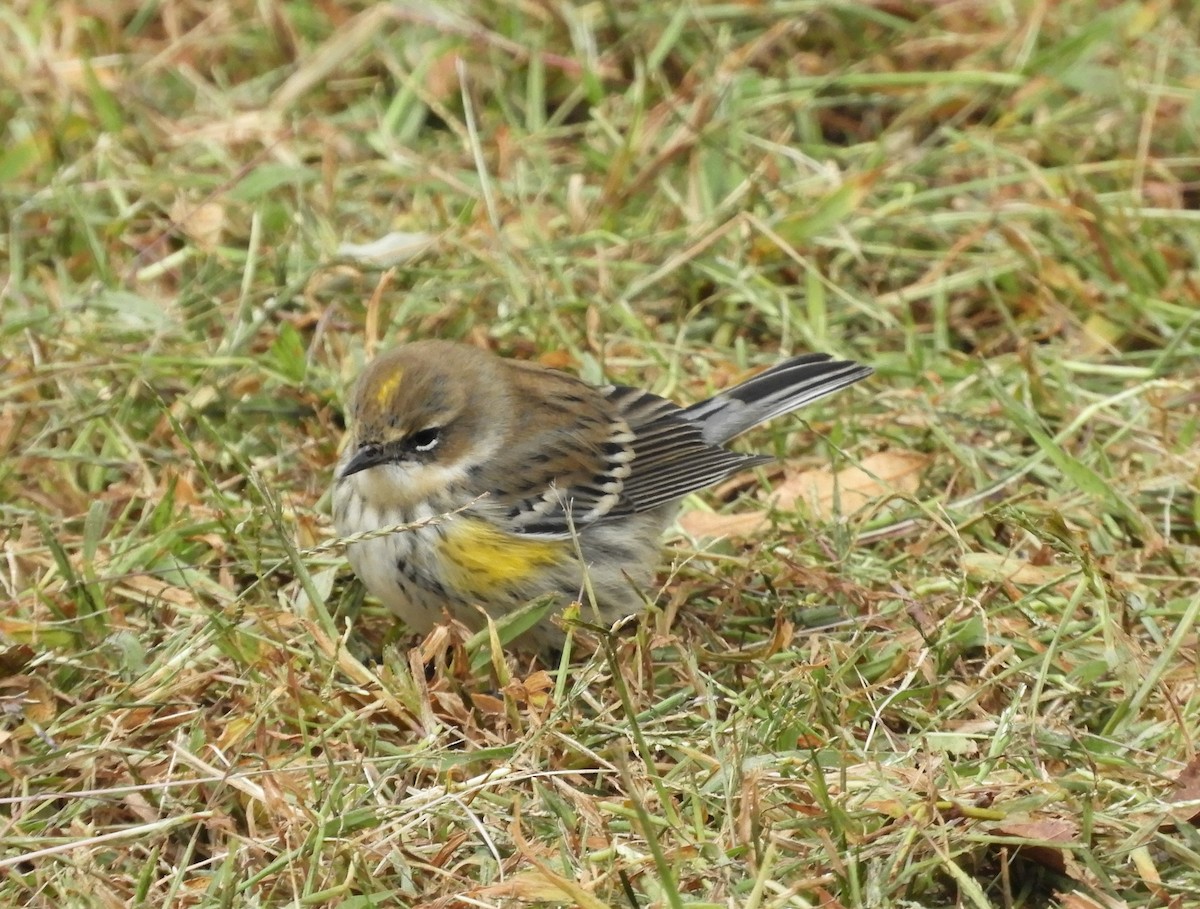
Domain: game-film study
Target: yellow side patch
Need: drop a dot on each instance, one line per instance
(481, 560)
(387, 387)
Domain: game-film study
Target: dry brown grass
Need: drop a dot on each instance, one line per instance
(970, 685)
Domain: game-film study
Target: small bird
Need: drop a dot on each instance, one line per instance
(524, 479)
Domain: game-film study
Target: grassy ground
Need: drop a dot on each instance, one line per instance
(959, 669)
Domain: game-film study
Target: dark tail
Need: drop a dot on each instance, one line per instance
(781, 389)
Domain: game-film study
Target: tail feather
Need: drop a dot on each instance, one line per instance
(779, 390)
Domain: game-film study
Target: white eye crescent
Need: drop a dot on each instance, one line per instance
(426, 439)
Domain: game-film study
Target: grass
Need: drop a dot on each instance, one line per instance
(969, 684)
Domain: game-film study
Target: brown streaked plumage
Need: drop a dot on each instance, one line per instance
(566, 469)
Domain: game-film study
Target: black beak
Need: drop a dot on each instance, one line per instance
(367, 456)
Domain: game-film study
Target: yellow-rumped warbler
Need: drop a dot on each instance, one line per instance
(540, 477)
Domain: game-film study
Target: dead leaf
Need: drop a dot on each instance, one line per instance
(1162, 194)
(1187, 789)
(15, 658)
(824, 493)
(538, 884)
(1143, 862)
(255, 126)
(709, 524)
(487, 703)
(1077, 900)
(827, 899)
(1043, 834)
(396, 248)
(29, 697)
(558, 358)
(447, 851)
(995, 567)
(203, 223)
(533, 691)
(828, 495)
(143, 588)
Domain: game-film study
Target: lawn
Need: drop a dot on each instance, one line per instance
(943, 653)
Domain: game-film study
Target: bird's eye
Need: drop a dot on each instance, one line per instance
(426, 439)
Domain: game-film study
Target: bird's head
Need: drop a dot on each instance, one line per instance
(421, 416)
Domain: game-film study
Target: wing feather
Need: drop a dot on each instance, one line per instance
(594, 454)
